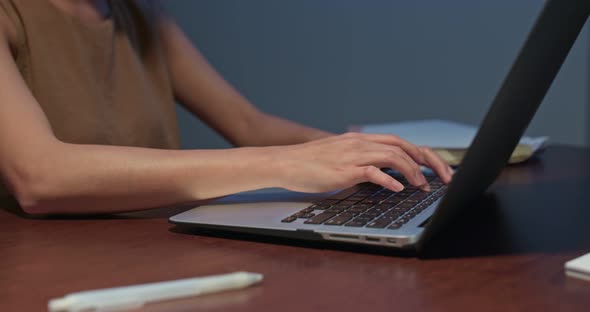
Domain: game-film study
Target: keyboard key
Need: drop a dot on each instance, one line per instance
(365, 191)
(412, 202)
(421, 207)
(356, 223)
(377, 224)
(370, 214)
(435, 185)
(320, 206)
(340, 219)
(384, 206)
(328, 201)
(343, 205)
(370, 201)
(347, 203)
(395, 226)
(336, 209)
(419, 196)
(364, 217)
(321, 218)
(306, 215)
(365, 206)
(356, 209)
(289, 219)
(379, 197)
(404, 219)
(400, 209)
(393, 200)
(377, 210)
(392, 214)
(405, 205)
(387, 192)
(343, 194)
(380, 223)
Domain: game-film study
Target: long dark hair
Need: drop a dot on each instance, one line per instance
(138, 19)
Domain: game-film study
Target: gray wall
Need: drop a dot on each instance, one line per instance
(333, 63)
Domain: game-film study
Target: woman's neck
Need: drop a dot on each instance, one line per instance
(90, 11)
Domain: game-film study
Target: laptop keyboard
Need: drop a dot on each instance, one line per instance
(372, 206)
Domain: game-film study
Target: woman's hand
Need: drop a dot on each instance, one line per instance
(345, 160)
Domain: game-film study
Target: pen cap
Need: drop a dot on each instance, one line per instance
(70, 304)
(60, 304)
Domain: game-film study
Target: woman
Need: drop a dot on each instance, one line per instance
(87, 121)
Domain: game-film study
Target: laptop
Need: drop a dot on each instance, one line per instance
(368, 214)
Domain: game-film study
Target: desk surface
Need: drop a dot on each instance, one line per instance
(509, 256)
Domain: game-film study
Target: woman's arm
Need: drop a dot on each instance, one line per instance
(48, 176)
(205, 93)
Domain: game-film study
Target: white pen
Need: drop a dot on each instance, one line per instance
(132, 297)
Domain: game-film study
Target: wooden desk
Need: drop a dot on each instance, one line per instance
(495, 262)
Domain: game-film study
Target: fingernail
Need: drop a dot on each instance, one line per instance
(451, 171)
(450, 177)
(425, 187)
(397, 187)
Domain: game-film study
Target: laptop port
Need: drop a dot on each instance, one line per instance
(373, 239)
(344, 237)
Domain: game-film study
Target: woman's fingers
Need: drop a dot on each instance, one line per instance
(421, 155)
(341, 161)
(409, 168)
(439, 165)
(392, 140)
(392, 157)
(375, 175)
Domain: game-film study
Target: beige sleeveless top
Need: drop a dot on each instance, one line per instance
(90, 81)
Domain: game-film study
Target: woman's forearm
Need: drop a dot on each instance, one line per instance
(265, 130)
(56, 178)
(82, 179)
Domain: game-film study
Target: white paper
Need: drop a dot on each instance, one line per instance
(579, 267)
(440, 133)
